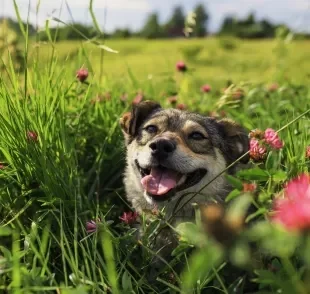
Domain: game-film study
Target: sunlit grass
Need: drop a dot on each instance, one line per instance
(256, 61)
(69, 170)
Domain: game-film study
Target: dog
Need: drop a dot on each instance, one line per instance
(175, 158)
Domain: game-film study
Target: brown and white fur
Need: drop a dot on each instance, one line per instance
(197, 148)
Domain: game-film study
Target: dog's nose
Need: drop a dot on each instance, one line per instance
(161, 148)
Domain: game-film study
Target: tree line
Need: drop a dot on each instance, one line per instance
(248, 27)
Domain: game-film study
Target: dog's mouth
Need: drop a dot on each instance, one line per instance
(159, 181)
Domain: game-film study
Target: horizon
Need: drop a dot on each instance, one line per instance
(113, 14)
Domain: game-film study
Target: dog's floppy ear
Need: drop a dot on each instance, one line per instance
(236, 140)
(131, 121)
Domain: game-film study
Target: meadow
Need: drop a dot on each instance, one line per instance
(62, 203)
(212, 60)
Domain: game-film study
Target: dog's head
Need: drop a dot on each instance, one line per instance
(172, 151)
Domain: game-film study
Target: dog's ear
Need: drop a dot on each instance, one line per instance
(131, 121)
(124, 122)
(236, 140)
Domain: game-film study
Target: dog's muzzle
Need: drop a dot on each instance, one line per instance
(161, 183)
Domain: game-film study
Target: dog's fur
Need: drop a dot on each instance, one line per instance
(218, 144)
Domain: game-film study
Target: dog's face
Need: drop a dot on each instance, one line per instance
(170, 152)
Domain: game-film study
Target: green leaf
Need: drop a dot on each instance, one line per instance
(279, 176)
(274, 239)
(126, 281)
(236, 183)
(190, 233)
(200, 265)
(279, 284)
(237, 286)
(106, 48)
(264, 196)
(5, 231)
(181, 248)
(305, 252)
(257, 213)
(91, 10)
(101, 46)
(20, 22)
(239, 207)
(232, 195)
(254, 174)
(240, 255)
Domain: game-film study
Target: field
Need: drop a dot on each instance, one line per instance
(62, 158)
(212, 60)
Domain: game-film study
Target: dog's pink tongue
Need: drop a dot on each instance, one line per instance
(160, 181)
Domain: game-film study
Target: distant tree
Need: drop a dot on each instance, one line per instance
(202, 17)
(247, 28)
(152, 28)
(228, 26)
(268, 28)
(122, 33)
(250, 20)
(175, 26)
(77, 31)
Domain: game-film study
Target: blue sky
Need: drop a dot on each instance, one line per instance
(113, 14)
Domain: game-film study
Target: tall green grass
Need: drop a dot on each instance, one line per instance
(62, 157)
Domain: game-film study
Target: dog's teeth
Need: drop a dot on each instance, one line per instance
(182, 180)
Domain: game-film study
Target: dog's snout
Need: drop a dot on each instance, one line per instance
(162, 148)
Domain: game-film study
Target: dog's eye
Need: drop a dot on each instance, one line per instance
(197, 136)
(151, 129)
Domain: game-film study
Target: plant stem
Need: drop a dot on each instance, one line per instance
(220, 281)
(290, 270)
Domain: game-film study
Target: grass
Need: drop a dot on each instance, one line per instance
(254, 61)
(62, 155)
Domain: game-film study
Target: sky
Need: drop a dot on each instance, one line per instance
(113, 14)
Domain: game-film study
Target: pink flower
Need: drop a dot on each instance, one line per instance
(272, 138)
(273, 87)
(308, 152)
(205, 88)
(181, 66)
(293, 211)
(249, 187)
(129, 217)
(2, 166)
(257, 152)
(32, 136)
(138, 98)
(181, 106)
(82, 74)
(91, 226)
